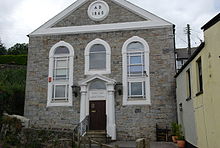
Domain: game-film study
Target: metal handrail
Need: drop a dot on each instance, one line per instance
(82, 127)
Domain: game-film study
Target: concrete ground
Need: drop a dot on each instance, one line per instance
(132, 144)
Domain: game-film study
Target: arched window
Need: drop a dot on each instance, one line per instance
(60, 77)
(136, 81)
(97, 57)
(97, 85)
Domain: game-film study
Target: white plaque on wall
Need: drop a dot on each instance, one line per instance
(98, 10)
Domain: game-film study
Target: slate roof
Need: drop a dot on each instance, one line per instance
(182, 53)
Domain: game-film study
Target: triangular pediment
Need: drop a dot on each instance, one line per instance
(122, 15)
(100, 77)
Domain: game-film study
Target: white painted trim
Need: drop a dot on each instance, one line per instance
(70, 82)
(100, 28)
(101, 77)
(110, 102)
(46, 28)
(98, 19)
(125, 77)
(108, 58)
(61, 43)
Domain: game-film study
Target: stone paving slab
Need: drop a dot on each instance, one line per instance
(132, 144)
(162, 145)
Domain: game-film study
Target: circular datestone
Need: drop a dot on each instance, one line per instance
(98, 10)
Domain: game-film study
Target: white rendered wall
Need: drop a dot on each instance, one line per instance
(186, 117)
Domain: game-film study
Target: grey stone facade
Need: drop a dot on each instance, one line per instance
(132, 122)
(116, 14)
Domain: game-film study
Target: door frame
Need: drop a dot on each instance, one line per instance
(107, 95)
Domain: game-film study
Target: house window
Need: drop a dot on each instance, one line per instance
(135, 64)
(188, 77)
(97, 57)
(136, 89)
(60, 75)
(60, 93)
(199, 76)
(136, 79)
(61, 68)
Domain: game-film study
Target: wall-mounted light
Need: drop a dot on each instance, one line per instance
(181, 107)
(119, 88)
(76, 90)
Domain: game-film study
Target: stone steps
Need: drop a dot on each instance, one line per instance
(98, 136)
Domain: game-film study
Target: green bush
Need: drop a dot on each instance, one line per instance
(12, 91)
(13, 59)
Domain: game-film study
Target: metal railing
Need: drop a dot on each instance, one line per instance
(80, 139)
(81, 128)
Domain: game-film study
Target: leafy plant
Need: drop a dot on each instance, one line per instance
(3, 49)
(13, 59)
(12, 91)
(176, 129)
(18, 49)
(181, 137)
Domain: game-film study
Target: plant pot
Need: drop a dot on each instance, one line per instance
(174, 138)
(181, 143)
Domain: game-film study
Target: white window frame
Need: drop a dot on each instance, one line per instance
(136, 96)
(133, 54)
(56, 67)
(54, 93)
(144, 78)
(107, 70)
(53, 82)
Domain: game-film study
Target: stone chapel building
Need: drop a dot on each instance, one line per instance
(106, 59)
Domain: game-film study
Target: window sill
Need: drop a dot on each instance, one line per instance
(136, 102)
(199, 93)
(59, 104)
(188, 99)
(93, 72)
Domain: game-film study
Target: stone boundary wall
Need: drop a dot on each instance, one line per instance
(48, 138)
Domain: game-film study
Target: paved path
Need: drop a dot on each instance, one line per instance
(132, 144)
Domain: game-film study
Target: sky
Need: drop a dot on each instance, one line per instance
(18, 18)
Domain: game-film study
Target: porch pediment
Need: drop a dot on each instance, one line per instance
(100, 77)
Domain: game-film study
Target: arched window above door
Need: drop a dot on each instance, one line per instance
(97, 85)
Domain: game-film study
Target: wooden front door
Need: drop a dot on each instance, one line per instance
(97, 112)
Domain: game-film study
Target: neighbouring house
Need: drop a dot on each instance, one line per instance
(182, 56)
(108, 60)
(198, 85)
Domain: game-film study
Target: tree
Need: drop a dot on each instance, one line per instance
(18, 49)
(3, 50)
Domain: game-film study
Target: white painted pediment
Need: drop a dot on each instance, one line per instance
(152, 21)
(100, 77)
